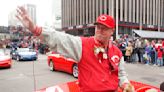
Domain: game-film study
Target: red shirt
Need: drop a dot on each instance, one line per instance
(160, 53)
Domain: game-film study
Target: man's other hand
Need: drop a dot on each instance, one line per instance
(128, 88)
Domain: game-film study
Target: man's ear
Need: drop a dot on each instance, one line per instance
(112, 32)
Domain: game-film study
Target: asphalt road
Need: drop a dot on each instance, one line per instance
(26, 76)
(148, 74)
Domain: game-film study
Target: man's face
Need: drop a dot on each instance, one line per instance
(103, 33)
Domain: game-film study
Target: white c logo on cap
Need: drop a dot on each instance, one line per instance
(103, 18)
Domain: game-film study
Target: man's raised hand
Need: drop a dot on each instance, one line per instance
(23, 17)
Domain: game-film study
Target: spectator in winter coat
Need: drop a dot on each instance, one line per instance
(128, 53)
(148, 52)
(159, 57)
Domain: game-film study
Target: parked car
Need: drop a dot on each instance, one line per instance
(61, 63)
(5, 60)
(24, 54)
(73, 87)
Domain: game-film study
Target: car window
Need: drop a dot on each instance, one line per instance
(23, 50)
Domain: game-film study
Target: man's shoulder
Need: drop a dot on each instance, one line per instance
(87, 38)
(115, 48)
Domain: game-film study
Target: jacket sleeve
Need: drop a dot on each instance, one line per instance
(122, 74)
(65, 44)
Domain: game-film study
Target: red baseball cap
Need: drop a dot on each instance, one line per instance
(106, 20)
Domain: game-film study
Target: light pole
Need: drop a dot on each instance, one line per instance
(117, 19)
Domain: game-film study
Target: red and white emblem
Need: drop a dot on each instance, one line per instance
(103, 18)
(115, 59)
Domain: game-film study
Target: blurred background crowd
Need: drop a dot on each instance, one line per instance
(140, 50)
(25, 42)
(135, 50)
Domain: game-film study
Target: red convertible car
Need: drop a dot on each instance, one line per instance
(73, 87)
(5, 60)
(61, 63)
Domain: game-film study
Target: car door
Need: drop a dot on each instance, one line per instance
(69, 64)
(61, 63)
(58, 61)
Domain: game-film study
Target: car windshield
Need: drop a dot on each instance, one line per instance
(23, 50)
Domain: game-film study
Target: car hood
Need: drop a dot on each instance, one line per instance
(26, 53)
(73, 87)
(4, 58)
(65, 87)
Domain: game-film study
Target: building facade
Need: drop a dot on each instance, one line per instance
(15, 27)
(13, 21)
(78, 16)
(31, 11)
(56, 16)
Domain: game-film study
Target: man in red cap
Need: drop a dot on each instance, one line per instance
(100, 63)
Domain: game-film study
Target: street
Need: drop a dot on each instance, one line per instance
(26, 76)
(20, 77)
(149, 74)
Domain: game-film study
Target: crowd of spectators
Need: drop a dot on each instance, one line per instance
(25, 42)
(135, 50)
(140, 50)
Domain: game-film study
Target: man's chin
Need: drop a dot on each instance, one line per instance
(101, 41)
